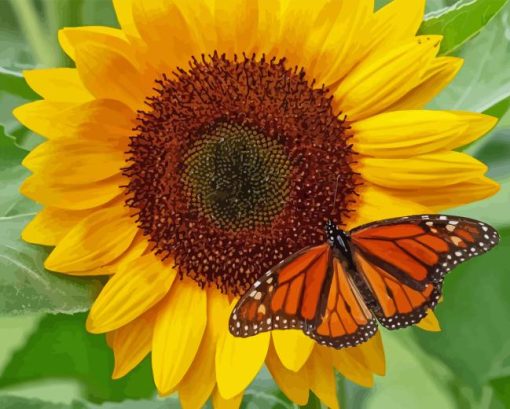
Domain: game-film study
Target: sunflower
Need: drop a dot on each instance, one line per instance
(202, 142)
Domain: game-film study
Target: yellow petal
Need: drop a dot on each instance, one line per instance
(49, 192)
(375, 203)
(293, 348)
(268, 32)
(50, 225)
(173, 44)
(179, 328)
(294, 385)
(296, 22)
(437, 76)
(200, 380)
(333, 47)
(411, 133)
(238, 360)
(378, 82)
(438, 199)
(97, 120)
(350, 362)
(132, 342)
(109, 339)
(96, 240)
(135, 251)
(396, 22)
(429, 171)
(41, 116)
(130, 292)
(429, 322)
(221, 403)
(124, 12)
(373, 353)
(322, 377)
(77, 161)
(478, 125)
(71, 38)
(108, 74)
(236, 24)
(58, 84)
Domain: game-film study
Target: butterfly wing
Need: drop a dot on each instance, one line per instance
(402, 261)
(394, 303)
(287, 296)
(346, 320)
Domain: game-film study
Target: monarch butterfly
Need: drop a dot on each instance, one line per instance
(389, 271)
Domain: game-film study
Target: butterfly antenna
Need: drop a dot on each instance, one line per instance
(336, 191)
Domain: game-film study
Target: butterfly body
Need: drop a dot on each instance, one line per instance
(339, 240)
(390, 271)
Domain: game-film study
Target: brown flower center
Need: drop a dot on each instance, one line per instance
(233, 168)
(237, 177)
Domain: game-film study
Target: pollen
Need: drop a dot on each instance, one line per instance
(233, 167)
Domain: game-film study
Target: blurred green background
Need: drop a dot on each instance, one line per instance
(47, 360)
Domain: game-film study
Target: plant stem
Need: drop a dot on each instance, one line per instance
(34, 32)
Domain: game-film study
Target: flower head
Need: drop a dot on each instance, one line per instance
(200, 144)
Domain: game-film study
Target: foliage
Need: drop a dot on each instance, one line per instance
(25, 285)
(467, 365)
(461, 22)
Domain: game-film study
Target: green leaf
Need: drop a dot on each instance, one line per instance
(495, 152)
(263, 394)
(14, 91)
(460, 22)
(484, 81)
(499, 109)
(494, 149)
(493, 210)
(431, 5)
(474, 317)
(25, 286)
(11, 176)
(168, 403)
(14, 51)
(501, 387)
(350, 394)
(412, 380)
(17, 402)
(60, 348)
(99, 13)
(13, 83)
(13, 333)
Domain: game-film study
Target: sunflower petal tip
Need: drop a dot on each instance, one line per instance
(164, 390)
(455, 64)
(490, 120)
(225, 393)
(49, 264)
(92, 326)
(20, 111)
(496, 187)
(429, 323)
(116, 374)
(27, 74)
(27, 234)
(63, 31)
(119, 370)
